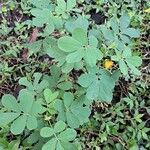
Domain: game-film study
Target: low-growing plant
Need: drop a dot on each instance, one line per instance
(74, 75)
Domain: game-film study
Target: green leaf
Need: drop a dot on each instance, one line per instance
(80, 35)
(59, 126)
(91, 56)
(123, 67)
(25, 82)
(35, 86)
(49, 28)
(68, 44)
(80, 22)
(107, 33)
(65, 85)
(93, 41)
(31, 122)
(59, 136)
(70, 111)
(61, 6)
(86, 79)
(127, 53)
(26, 100)
(93, 90)
(37, 108)
(67, 135)
(124, 21)
(49, 96)
(46, 132)
(134, 60)
(10, 103)
(50, 145)
(75, 56)
(71, 4)
(28, 109)
(134, 70)
(72, 120)
(6, 118)
(68, 99)
(99, 85)
(18, 125)
(131, 32)
(114, 25)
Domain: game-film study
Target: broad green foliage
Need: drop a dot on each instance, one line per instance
(127, 61)
(99, 83)
(118, 30)
(60, 137)
(80, 22)
(74, 75)
(22, 114)
(36, 86)
(71, 111)
(80, 46)
(63, 7)
(58, 80)
(44, 16)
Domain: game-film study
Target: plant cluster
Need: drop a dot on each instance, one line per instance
(74, 75)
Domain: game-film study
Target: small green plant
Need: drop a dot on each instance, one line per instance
(37, 86)
(22, 114)
(99, 83)
(60, 137)
(71, 111)
(80, 46)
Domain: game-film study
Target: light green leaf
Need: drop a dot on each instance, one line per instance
(107, 33)
(68, 99)
(72, 120)
(80, 22)
(6, 118)
(114, 25)
(10, 103)
(123, 67)
(75, 56)
(25, 82)
(93, 41)
(65, 85)
(67, 135)
(49, 28)
(134, 60)
(49, 96)
(71, 4)
(124, 21)
(18, 125)
(58, 105)
(26, 100)
(86, 79)
(68, 44)
(47, 132)
(50, 145)
(127, 53)
(31, 122)
(134, 70)
(91, 56)
(82, 113)
(80, 35)
(93, 90)
(131, 32)
(100, 85)
(59, 126)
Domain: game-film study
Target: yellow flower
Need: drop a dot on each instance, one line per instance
(108, 64)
